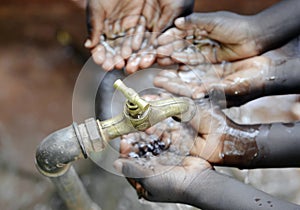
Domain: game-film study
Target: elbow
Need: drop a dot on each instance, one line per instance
(57, 151)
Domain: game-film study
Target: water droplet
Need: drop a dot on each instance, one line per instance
(271, 78)
(247, 176)
(133, 155)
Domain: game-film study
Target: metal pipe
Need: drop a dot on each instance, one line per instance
(55, 155)
(72, 191)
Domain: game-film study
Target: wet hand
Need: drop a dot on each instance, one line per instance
(156, 182)
(130, 22)
(220, 140)
(228, 84)
(108, 20)
(167, 10)
(218, 36)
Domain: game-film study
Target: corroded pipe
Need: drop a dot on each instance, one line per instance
(54, 156)
(57, 151)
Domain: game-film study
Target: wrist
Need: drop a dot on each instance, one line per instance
(197, 194)
(278, 145)
(239, 145)
(283, 77)
(256, 36)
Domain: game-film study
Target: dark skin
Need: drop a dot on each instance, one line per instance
(219, 36)
(223, 142)
(241, 82)
(192, 180)
(234, 36)
(234, 84)
(133, 21)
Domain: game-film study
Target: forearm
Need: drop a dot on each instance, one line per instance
(277, 24)
(262, 146)
(283, 77)
(216, 191)
(278, 146)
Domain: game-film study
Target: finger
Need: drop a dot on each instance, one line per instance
(195, 58)
(171, 35)
(129, 22)
(133, 64)
(202, 21)
(169, 49)
(118, 59)
(126, 50)
(119, 62)
(165, 61)
(98, 54)
(180, 57)
(188, 56)
(199, 92)
(130, 169)
(138, 34)
(95, 19)
(168, 73)
(125, 147)
(177, 88)
(151, 12)
(147, 60)
(117, 29)
(108, 63)
(202, 117)
(165, 20)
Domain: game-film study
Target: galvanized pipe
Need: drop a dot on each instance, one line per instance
(72, 191)
(55, 155)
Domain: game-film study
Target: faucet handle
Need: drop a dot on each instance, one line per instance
(132, 96)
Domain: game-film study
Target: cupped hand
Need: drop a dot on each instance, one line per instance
(218, 36)
(220, 140)
(156, 182)
(135, 24)
(229, 84)
(111, 20)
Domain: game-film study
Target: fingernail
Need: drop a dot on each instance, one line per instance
(118, 165)
(88, 43)
(198, 95)
(179, 21)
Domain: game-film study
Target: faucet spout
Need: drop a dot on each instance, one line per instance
(138, 114)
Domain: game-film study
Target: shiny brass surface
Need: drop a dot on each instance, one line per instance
(138, 114)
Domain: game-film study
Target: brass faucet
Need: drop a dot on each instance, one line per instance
(138, 114)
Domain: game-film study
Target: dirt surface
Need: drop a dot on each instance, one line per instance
(37, 74)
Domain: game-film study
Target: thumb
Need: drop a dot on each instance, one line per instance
(131, 169)
(95, 24)
(202, 21)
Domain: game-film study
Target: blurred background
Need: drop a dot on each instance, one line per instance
(41, 55)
